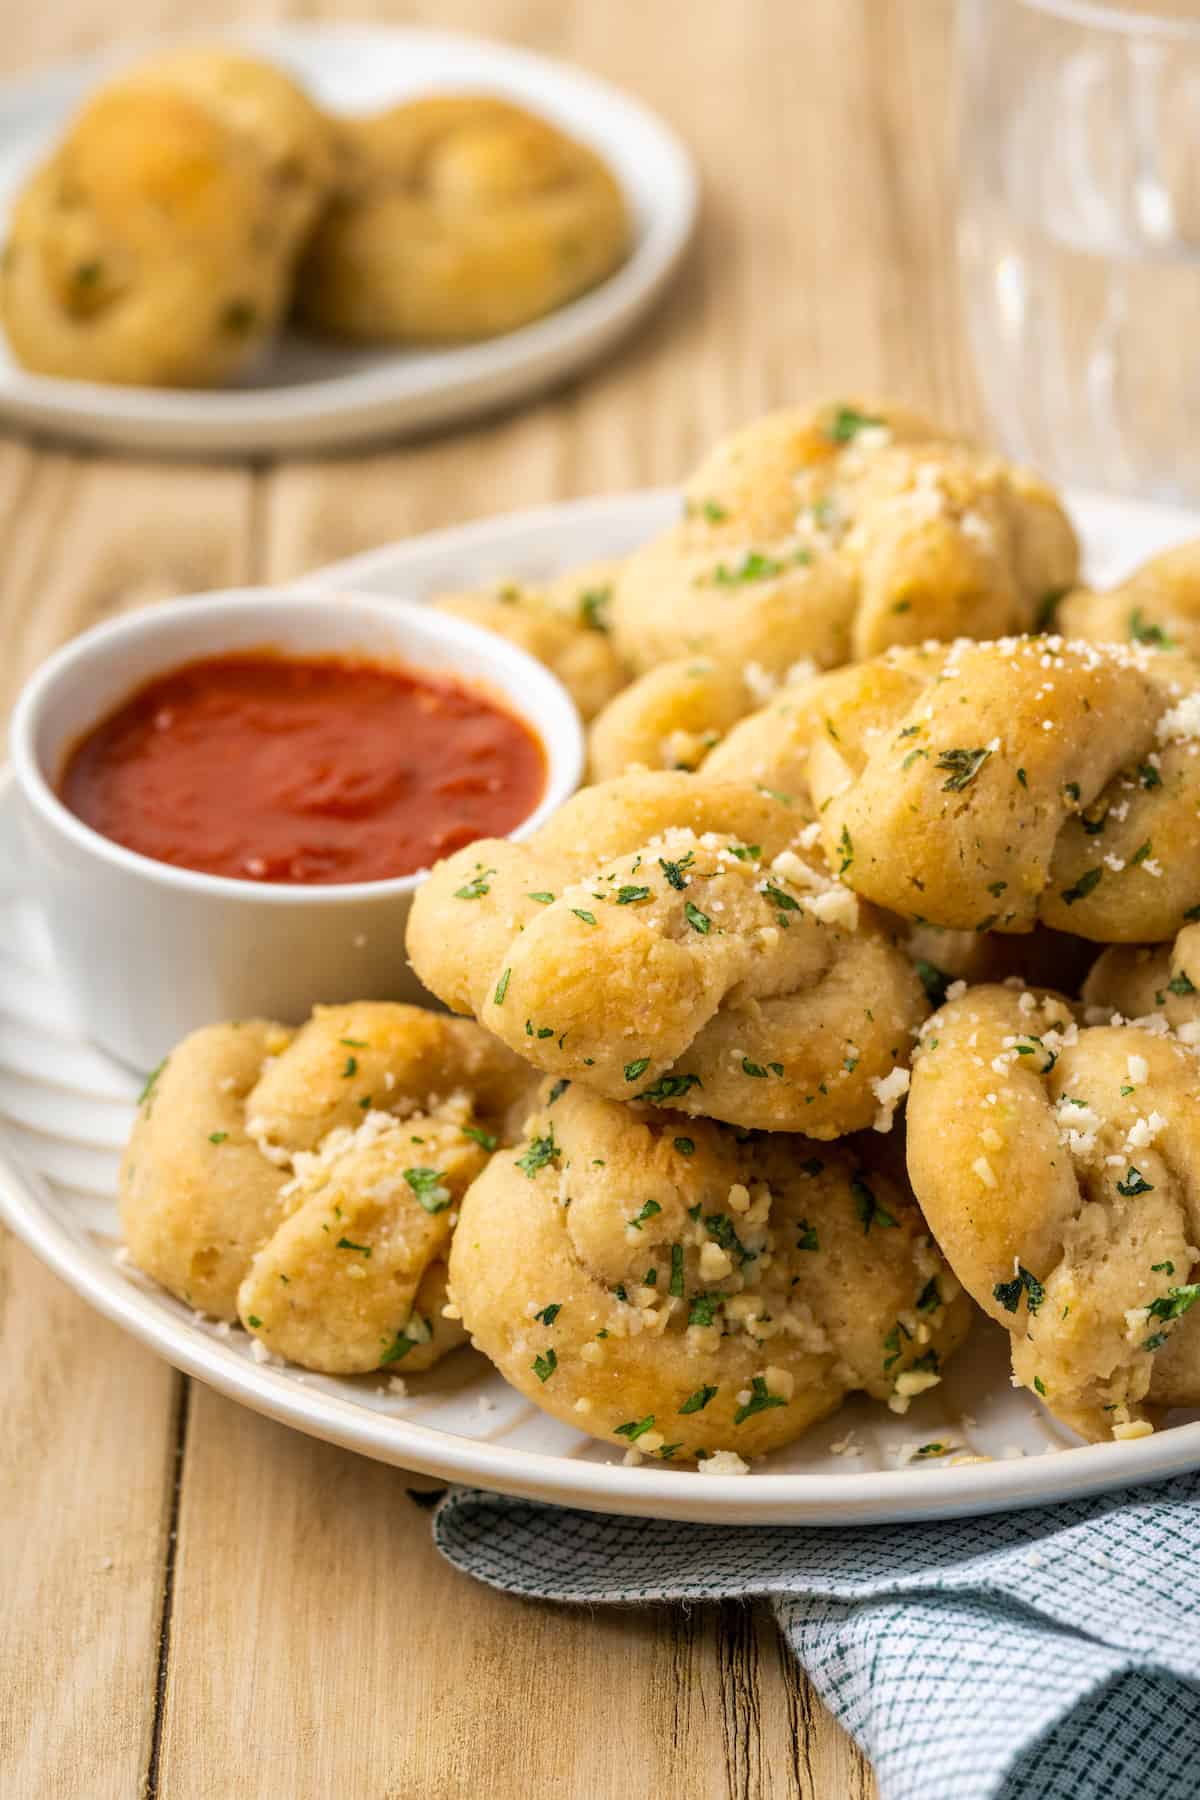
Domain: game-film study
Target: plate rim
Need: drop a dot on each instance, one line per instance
(760, 1498)
(361, 404)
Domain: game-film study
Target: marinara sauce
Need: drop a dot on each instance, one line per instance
(272, 768)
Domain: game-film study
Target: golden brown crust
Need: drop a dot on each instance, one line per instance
(1160, 982)
(458, 217)
(1059, 1170)
(156, 245)
(1159, 605)
(671, 717)
(661, 939)
(990, 786)
(307, 1183)
(833, 534)
(562, 622)
(678, 1289)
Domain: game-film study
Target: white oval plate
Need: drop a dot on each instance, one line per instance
(311, 394)
(65, 1110)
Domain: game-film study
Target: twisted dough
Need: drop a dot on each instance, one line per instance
(563, 623)
(679, 1289)
(661, 940)
(672, 716)
(829, 536)
(306, 1182)
(987, 786)
(459, 217)
(1159, 605)
(1059, 1170)
(157, 244)
(1159, 982)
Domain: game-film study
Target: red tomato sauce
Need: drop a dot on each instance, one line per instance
(279, 769)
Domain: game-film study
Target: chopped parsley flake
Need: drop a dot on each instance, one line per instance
(635, 1428)
(428, 1188)
(345, 1243)
(543, 897)
(544, 1366)
(477, 888)
(549, 1313)
(648, 1211)
(417, 1331)
(778, 898)
(1175, 1302)
(636, 1068)
(217, 1137)
(588, 919)
(930, 1296)
(703, 1308)
(808, 1239)
(151, 1078)
(754, 566)
(846, 424)
(845, 851)
(696, 919)
(1181, 983)
(934, 980)
(760, 1400)
(1143, 633)
(963, 767)
(686, 1146)
(627, 896)
(558, 1090)
(593, 608)
(502, 987)
(867, 1206)
(1134, 1183)
(720, 1228)
(668, 1087)
(1083, 887)
(1008, 1293)
(674, 870)
(541, 1151)
(699, 1400)
(675, 1288)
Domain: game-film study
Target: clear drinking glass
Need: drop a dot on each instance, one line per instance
(1079, 235)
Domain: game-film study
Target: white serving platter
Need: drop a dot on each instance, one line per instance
(310, 394)
(65, 1110)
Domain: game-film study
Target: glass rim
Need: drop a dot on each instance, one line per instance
(1111, 15)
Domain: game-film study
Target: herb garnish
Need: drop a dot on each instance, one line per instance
(427, 1186)
(963, 766)
(760, 1399)
(1008, 1293)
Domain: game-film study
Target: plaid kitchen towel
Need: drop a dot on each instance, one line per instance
(1052, 1653)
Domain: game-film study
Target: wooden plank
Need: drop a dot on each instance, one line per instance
(322, 1647)
(87, 1419)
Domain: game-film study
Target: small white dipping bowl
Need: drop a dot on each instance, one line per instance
(150, 951)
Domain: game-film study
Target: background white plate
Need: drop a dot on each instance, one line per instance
(65, 1111)
(311, 394)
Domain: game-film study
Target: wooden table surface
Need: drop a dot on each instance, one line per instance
(199, 1602)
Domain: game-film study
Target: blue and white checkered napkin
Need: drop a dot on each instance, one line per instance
(1052, 1653)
